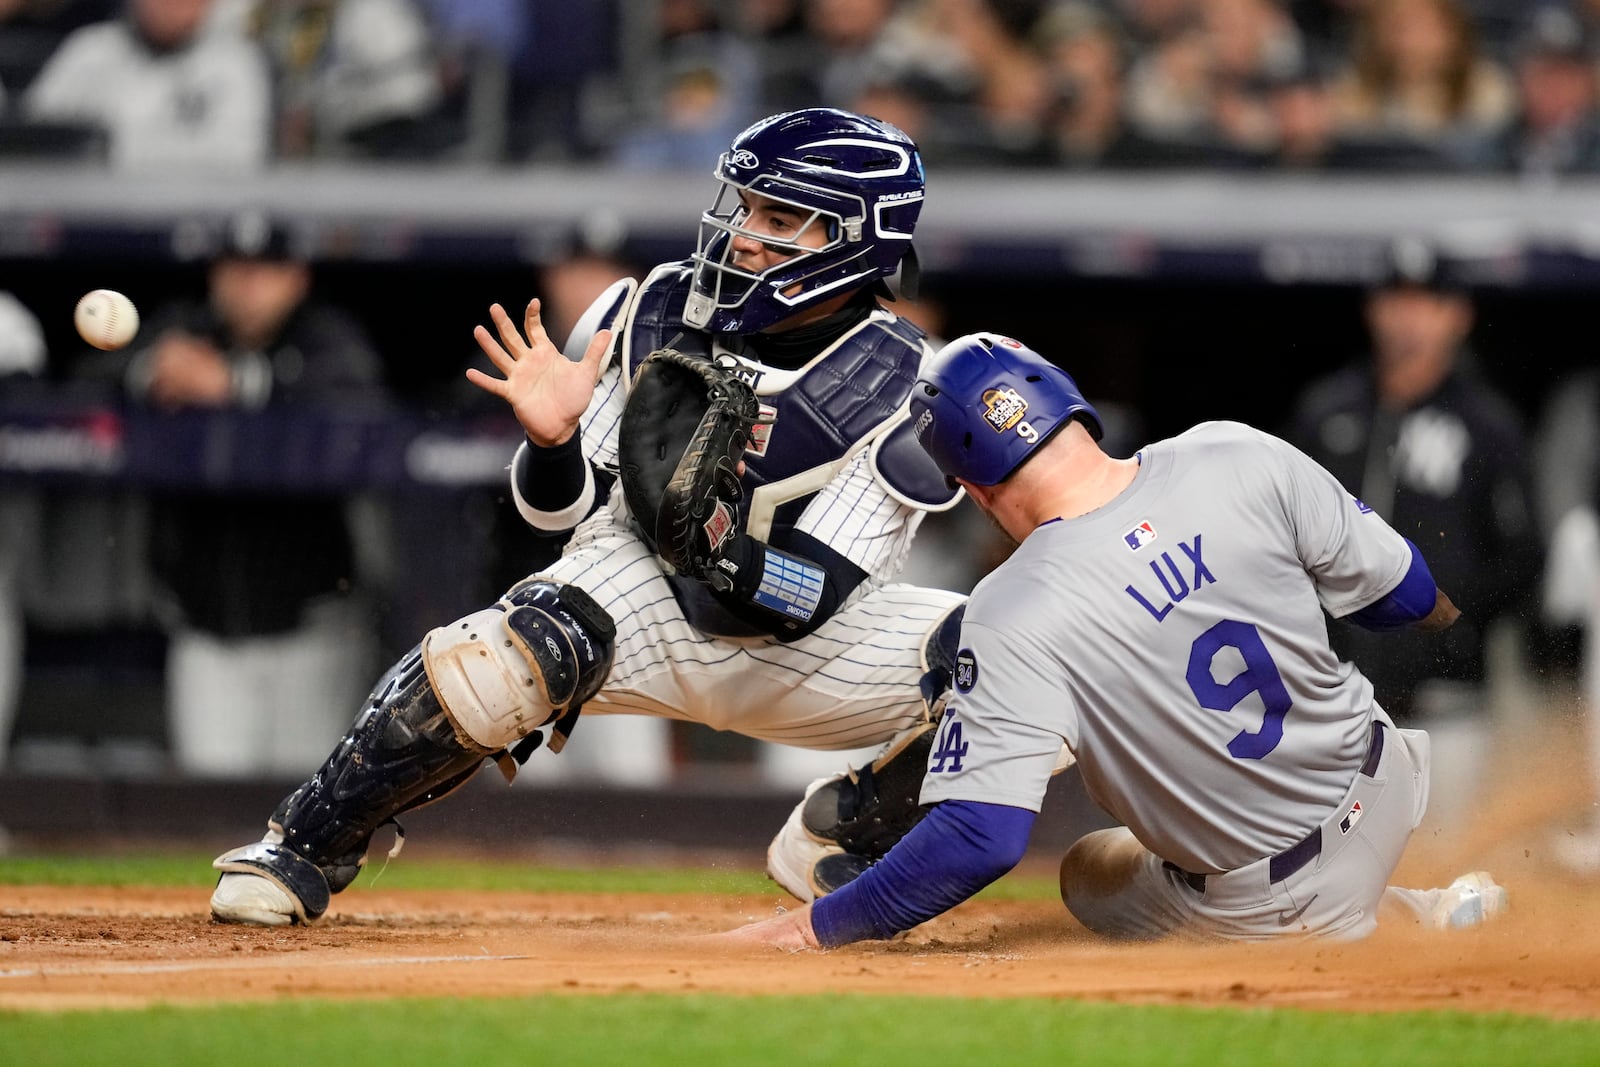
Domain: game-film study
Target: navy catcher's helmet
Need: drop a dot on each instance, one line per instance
(858, 178)
(985, 402)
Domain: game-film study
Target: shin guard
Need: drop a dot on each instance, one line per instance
(401, 753)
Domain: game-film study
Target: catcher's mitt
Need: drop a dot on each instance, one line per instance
(686, 422)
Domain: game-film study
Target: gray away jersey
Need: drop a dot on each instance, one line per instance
(1175, 640)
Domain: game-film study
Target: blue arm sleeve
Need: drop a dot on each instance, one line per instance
(1407, 602)
(957, 849)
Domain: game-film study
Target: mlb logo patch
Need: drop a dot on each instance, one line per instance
(1350, 819)
(1362, 506)
(1139, 536)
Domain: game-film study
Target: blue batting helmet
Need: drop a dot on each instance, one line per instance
(857, 178)
(985, 402)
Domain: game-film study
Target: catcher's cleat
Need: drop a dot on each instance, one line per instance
(265, 883)
(794, 853)
(862, 813)
(868, 810)
(254, 900)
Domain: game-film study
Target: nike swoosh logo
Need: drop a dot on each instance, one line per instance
(1288, 918)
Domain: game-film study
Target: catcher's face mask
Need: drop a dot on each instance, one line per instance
(855, 186)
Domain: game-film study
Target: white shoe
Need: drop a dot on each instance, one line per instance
(795, 852)
(250, 898)
(1470, 900)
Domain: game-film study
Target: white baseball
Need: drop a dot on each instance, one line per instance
(106, 319)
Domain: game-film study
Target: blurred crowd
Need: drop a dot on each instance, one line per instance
(1434, 85)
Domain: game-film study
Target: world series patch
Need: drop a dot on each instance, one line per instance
(1003, 408)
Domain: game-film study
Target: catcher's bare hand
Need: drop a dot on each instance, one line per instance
(547, 392)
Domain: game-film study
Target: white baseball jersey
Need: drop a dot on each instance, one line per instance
(851, 683)
(1174, 639)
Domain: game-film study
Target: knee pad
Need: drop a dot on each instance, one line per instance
(943, 642)
(503, 672)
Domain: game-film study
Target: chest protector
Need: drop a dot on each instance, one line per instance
(851, 396)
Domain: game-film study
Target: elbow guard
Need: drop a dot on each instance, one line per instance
(1410, 601)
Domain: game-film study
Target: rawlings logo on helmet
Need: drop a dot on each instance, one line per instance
(1003, 408)
(744, 159)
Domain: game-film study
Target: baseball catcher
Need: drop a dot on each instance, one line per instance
(727, 452)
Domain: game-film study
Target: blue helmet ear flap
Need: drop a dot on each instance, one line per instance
(986, 402)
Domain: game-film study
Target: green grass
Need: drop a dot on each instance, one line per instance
(194, 869)
(705, 1031)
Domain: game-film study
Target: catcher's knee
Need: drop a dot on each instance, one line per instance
(506, 670)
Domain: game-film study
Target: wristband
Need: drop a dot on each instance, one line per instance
(789, 586)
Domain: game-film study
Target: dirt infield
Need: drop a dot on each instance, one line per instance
(79, 948)
(62, 949)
